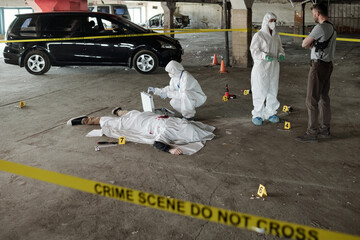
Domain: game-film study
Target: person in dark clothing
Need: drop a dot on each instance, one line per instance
(321, 41)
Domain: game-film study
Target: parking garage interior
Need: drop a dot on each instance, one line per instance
(314, 185)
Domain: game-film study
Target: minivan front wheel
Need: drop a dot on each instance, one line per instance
(37, 62)
(145, 62)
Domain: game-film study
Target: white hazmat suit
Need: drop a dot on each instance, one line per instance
(265, 74)
(184, 90)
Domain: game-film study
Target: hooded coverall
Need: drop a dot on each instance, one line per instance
(184, 90)
(265, 75)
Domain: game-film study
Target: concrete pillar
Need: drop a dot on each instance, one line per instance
(299, 22)
(169, 9)
(241, 18)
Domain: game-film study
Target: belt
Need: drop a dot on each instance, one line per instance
(318, 60)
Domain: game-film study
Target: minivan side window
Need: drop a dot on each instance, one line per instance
(92, 26)
(111, 27)
(26, 27)
(61, 26)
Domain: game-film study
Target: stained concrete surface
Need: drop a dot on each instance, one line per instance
(311, 184)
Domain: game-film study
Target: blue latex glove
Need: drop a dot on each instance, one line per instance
(151, 89)
(269, 59)
(281, 58)
(163, 95)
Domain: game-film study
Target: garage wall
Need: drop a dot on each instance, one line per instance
(346, 17)
(284, 12)
(13, 3)
(201, 15)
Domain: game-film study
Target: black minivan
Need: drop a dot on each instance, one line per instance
(94, 42)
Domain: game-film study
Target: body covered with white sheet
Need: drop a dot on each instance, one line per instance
(148, 127)
(184, 90)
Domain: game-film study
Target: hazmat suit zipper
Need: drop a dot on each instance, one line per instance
(178, 85)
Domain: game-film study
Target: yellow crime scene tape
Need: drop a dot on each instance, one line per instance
(195, 210)
(166, 32)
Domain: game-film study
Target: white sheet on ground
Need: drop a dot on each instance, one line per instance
(148, 127)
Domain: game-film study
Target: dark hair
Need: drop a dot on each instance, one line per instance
(321, 8)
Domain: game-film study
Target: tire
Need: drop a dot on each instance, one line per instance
(37, 62)
(145, 62)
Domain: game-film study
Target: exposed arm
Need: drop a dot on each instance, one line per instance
(308, 42)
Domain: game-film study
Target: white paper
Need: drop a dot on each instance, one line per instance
(95, 133)
(147, 102)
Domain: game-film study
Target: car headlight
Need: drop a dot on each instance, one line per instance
(166, 45)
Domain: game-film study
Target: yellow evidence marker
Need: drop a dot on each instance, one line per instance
(286, 108)
(121, 140)
(225, 98)
(246, 92)
(262, 191)
(22, 104)
(287, 125)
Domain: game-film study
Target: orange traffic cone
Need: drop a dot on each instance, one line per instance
(215, 61)
(222, 67)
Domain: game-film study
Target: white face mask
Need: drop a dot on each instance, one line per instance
(272, 25)
(171, 75)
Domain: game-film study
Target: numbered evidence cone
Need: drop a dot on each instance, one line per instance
(22, 104)
(227, 94)
(262, 191)
(222, 67)
(287, 125)
(215, 61)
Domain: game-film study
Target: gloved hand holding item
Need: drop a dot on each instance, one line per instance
(163, 95)
(281, 58)
(269, 59)
(151, 89)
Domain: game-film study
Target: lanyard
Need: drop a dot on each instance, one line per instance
(180, 78)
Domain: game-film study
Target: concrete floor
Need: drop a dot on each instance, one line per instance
(311, 184)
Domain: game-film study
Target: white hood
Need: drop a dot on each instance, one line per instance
(265, 22)
(174, 68)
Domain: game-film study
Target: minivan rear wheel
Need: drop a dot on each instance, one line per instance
(37, 62)
(145, 61)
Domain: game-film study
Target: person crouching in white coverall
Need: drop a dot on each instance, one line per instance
(267, 51)
(184, 90)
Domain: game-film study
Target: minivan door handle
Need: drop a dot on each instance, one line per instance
(47, 35)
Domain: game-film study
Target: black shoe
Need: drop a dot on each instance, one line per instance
(324, 134)
(114, 111)
(307, 138)
(76, 121)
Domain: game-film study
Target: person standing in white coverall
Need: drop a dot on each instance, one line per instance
(266, 51)
(184, 90)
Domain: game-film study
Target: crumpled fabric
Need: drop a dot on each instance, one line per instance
(265, 75)
(184, 90)
(148, 127)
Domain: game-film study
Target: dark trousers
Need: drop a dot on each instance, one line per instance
(317, 99)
